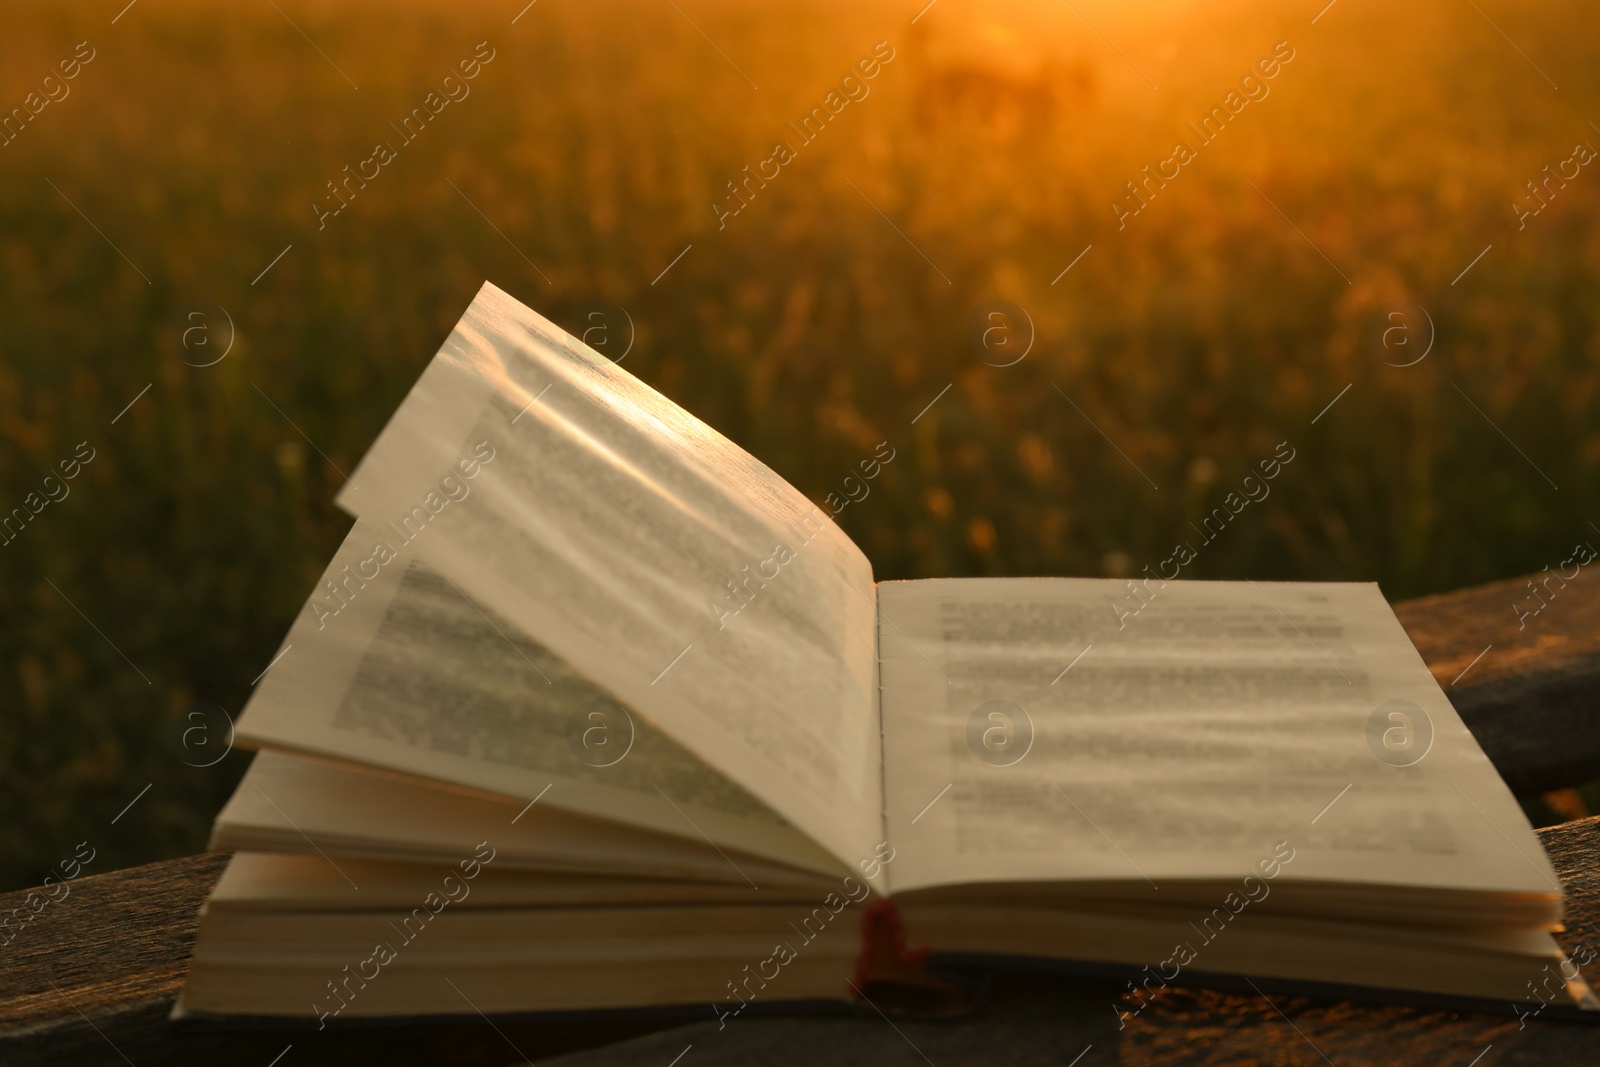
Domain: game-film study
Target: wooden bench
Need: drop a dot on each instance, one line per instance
(91, 979)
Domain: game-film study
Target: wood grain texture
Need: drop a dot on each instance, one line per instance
(1532, 698)
(91, 979)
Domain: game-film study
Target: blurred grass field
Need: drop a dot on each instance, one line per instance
(1219, 322)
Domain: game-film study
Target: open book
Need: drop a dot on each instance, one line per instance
(593, 710)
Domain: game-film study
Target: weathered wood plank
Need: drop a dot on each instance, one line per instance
(1528, 687)
(115, 939)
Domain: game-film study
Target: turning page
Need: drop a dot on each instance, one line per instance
(396, 667)
(290, 804)
(647, 551)
(1054, 728)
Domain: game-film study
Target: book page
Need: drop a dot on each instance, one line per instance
(291, 804)
(395, 667)
(271, 881)
(648, 552)
(1055, 729)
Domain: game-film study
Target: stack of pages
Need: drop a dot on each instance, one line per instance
(592, 710)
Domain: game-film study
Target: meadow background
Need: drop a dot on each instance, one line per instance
(808, 329)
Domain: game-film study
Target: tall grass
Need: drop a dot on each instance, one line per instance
(1192, 342)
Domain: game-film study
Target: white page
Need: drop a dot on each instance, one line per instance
(401, 670)
(609, 525)
(1192, 738)
(295, 805)
(276, 881)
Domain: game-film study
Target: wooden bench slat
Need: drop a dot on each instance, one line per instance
(1532, 698)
